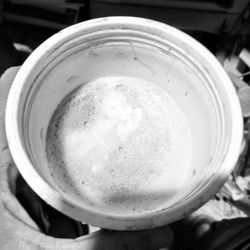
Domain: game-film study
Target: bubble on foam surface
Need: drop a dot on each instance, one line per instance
(121, 143)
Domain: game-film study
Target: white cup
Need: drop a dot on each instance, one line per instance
(136, 47)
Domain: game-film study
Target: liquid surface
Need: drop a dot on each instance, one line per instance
(119, 144)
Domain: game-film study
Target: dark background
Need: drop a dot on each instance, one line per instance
(218, 24)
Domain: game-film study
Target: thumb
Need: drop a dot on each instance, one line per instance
(5, 84)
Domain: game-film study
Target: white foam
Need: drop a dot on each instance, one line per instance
(124, 142)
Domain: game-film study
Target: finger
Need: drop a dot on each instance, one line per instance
(160, 237)
(139, 240)
(5, 84)
(153, 239)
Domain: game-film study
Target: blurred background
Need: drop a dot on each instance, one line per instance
(221, 25)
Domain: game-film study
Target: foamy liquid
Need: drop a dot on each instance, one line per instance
(119, 144)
